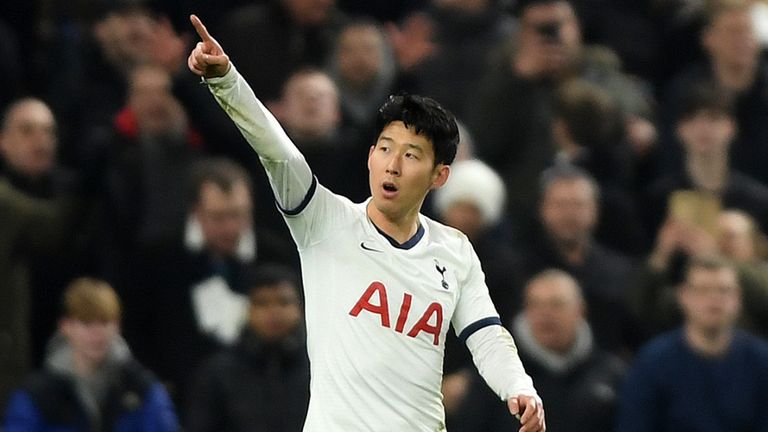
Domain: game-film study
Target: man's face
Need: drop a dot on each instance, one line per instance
(275, 311)
(569, 210)
(553, 30)
(311, 106)
(90, 340)
(554, 312)
(151, 100)
(28, 139)
(707, 133)
(360, 55)
(710, 298)
(466, 217)
(127, 37)
(402, 171)
(731, 38)
(224, 216)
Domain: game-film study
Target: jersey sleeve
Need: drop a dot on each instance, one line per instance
(474, 309)
(288, 172)
(309, 209)
(493, 349)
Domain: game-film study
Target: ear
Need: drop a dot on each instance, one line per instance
(370, 153)
(440, 176)
(65, 326)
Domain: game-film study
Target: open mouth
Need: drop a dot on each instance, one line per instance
(390, 187)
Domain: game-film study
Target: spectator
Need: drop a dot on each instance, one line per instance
(90, 381)
(364, 69)
(706, 375)
(271, 40)
(311, 113)
(511, 112)
(28, 160)
(29, 227)
(261, 383)
(588, 130)
(568, 217)
(707, 129)
(737, 239)
(579, 381)
(200, 305)
(124, 34)
(735, 65)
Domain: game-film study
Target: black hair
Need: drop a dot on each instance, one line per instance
(427, 118)
(222, 172)
(566, 172)
(705, 96)
(592, 117)
(521, 6)
(270, 274)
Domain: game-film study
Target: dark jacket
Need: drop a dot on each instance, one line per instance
(671, 387)
(52, 400)
(579, 393)
(253, 387)
(604, 278)
(27, 226)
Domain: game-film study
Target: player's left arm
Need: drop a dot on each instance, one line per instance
(494, 351)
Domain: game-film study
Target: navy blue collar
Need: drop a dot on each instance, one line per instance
(411, 242)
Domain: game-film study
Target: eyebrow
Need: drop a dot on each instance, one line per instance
(409, 145)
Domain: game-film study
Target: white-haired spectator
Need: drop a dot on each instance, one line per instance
(473, 199)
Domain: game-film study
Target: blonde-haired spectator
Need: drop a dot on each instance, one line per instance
(90, 380)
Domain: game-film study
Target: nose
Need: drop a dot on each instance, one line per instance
(393, 166)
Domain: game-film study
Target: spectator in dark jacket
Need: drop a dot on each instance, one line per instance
(578, 380)
(262, 383)
(705, 376)
(91, 382)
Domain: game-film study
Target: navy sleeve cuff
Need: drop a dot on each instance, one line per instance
(304, 202)
(477, 325)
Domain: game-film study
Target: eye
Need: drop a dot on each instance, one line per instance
(410, 155)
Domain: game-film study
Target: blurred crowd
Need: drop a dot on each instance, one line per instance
(611, 177)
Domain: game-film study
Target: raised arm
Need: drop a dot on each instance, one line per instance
(289, 173)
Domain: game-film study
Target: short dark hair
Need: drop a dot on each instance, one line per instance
(705, 96)
(592, 117)
(566, 172)
(427, 117)
(270, 274)
(222, 172)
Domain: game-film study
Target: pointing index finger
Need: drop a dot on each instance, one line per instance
(200, 28)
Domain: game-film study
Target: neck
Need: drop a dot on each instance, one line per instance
(83, 365)
(708, 172)
(575, 251)
(736, 77)
(400, 228)
(708, 342)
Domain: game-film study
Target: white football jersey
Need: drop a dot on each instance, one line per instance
(377, 315)
(377, 312)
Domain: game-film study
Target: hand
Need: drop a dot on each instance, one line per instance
(529, 411)
(667, 243)
(168, 47)
(413, 43)
(207, 59)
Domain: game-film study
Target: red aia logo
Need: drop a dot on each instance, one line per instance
(382, 309)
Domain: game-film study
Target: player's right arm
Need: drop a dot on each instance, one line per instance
(289, 174)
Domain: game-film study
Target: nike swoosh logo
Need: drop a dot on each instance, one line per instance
(362, 245)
